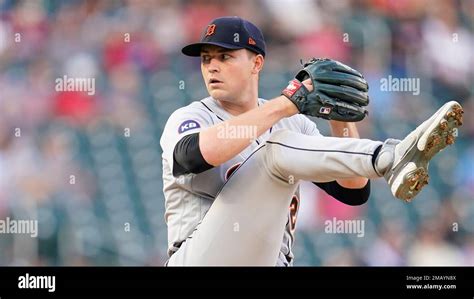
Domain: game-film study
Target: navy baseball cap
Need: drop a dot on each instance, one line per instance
(230, 33)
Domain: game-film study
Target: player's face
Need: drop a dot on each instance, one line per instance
(227, 73)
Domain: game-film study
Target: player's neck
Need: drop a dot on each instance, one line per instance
(247, 101)
(237, 108)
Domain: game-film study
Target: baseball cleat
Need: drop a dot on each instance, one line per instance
(407, 174)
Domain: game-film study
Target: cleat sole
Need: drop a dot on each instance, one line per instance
(410, 178)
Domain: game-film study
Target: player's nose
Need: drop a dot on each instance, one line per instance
(213, 66)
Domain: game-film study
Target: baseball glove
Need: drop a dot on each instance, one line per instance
(339, 92)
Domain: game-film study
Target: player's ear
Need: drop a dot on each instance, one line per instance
(258, 62)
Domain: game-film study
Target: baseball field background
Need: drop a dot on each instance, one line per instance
(87, 86)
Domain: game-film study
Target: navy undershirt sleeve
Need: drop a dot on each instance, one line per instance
(187, 157)
(352, 197)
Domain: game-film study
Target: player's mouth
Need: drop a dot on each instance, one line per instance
(214, 82)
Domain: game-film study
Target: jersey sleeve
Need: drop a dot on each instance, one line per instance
(308, 127)
(181, 123)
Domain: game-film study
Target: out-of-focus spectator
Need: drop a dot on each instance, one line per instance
(387, 249)
(430, 248)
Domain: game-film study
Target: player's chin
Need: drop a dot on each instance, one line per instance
(218, 93)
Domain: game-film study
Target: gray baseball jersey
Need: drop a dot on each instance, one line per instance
(189, 197)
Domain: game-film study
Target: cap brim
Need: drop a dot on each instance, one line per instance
(194, 50)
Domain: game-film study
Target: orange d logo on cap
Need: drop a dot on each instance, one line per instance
(210, 29)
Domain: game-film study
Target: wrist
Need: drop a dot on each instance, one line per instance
(285, 106)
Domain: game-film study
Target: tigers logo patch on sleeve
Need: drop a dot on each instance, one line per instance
(188, 125)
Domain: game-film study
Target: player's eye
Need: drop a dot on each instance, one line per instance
(205, 58)
(225, 56)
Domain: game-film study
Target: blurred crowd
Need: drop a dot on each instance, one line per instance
(88, 166)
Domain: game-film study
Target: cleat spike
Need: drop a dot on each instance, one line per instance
(443, 125)
(450, 139)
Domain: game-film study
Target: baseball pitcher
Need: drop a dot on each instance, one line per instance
(232, 162)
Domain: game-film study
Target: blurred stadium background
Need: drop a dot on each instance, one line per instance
(66, 158)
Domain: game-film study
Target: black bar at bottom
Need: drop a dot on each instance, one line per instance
(141, 282)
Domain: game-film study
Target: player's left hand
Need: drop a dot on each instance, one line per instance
(337, 92)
